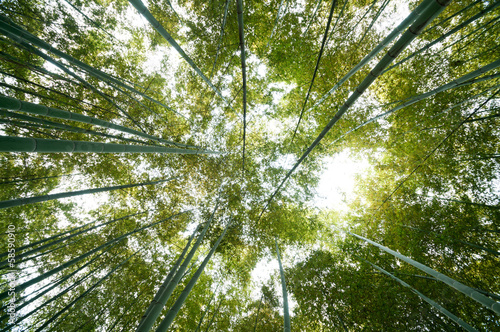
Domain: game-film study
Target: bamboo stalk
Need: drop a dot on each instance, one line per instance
(29, 252)
(278, 16)
(95, 285)
(169, 317)
(224, 19)
(14, 28)
(473, 294)
(161, 300)
(144, 324)
(416, 13)
(82, 257)
(161, 30)
(286, 314)
(425, 298)
(312, 17)
(63, 127)
(37, 199)
(27, 107)
(239, 5)
(467, 79)
(5, 31)
(323, 43)
(70, 287)
(41, 145)
(449, 33)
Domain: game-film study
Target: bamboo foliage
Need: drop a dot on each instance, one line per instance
(430, 12)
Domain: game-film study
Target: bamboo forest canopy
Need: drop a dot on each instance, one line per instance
(160, 165)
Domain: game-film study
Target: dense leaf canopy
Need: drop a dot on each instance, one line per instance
(208, 125)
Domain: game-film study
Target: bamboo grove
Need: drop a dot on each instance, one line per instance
(155, 156)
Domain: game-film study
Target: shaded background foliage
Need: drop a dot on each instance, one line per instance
(431, 191)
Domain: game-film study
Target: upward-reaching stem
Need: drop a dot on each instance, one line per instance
(241, 34)
(286, 314)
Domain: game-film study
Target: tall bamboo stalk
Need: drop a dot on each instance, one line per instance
(224, 19)
(27, 107)
(157, 306)
(42, 145)
(286, 314)
(312, 17)
(169, 317)
(8, 24)
(416, 13)
(425, 298)
(61, 126)
(473, 294)
(323, 43)
(144, 324)
(90, 289)
(213, 316)
(37, 199)
(15, 37)
(239, 5)
(38, 249)
(278, 17)
(161, 30)
(82, 257)
(467, 79)
(61, 293)
(449, 33)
